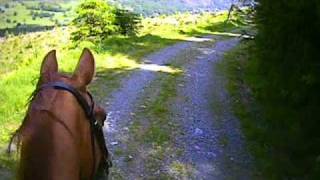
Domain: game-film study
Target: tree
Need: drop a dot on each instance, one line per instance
(127, 21)
(94, 20)
(288, 61)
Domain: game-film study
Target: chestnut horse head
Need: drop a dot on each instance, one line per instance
(61, 135)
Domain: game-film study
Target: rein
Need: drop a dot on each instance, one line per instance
(96, 128)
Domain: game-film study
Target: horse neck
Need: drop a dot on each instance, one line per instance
(52, 136)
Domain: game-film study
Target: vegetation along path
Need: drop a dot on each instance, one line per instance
(171, 119)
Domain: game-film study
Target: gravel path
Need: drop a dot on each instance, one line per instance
(123, 102)
(212, 142)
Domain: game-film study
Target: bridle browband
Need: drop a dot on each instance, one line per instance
(96, 128)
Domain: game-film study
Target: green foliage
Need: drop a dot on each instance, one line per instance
(127, 21)
(287, 83)
(54, 7)
(95, 19)
(46, 6)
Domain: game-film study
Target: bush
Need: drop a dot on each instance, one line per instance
(127, 21)
(45, 15)
(95, 20)
(288, 66)
(45, 6)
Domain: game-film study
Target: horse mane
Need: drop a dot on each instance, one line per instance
(17, 137)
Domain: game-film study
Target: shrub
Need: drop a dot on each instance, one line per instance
(288, 63)
(94, 20)
(51, 7)
(127, 21)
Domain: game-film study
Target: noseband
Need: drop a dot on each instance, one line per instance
(96, 128)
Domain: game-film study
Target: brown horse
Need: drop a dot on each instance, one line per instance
(61, 135)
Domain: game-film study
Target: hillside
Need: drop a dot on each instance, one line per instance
(22, 16)
(156, 7)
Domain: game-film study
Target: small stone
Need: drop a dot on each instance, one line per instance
(114, 143)
(132, 114)
(126, 128)
(130, 157)
(231, 158)
(143, 106)
(198, 132)
(212, 154)
(180, 85)
(197, 147)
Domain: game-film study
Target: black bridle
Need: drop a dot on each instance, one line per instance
(95, 126)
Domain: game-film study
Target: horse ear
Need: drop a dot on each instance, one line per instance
(85, 69)
(49, 64)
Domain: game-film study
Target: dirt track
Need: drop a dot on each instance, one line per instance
(204, 140)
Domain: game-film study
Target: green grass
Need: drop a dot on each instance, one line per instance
(159, 129)
(237, 66)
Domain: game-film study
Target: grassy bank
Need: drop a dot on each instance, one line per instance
(273, 159)
(237, 67)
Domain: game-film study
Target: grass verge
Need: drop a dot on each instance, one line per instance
(237, 66)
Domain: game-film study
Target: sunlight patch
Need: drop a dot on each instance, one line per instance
(199, 39)
(159, 68)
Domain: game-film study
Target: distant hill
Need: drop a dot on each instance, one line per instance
(21, 15)
(156, 7)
